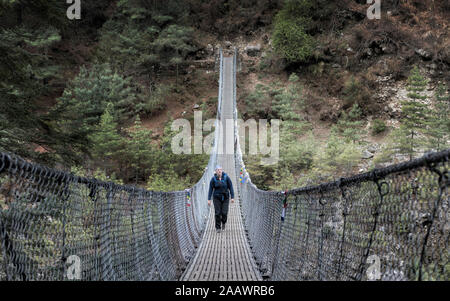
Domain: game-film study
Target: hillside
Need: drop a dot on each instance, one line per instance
(97, 95)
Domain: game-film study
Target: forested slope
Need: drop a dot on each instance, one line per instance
(97, 95)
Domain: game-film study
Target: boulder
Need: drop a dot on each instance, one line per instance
(423, 53)
(253, 50)
(367, 155)
(210, 49)
(373, 148)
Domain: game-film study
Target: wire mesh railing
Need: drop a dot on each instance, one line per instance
(387, 224)
(115, 232)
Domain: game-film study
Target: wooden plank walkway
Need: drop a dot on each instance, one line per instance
(226, 255)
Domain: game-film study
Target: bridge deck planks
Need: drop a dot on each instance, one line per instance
(226, 255)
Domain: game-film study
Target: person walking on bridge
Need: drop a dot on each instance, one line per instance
(220, 187)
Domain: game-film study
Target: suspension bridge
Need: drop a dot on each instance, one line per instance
(387, 224)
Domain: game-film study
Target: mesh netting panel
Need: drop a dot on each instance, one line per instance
(389, 224)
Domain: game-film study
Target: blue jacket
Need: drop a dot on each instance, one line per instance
(220, 187)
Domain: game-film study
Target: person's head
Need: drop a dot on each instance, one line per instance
(219, 170)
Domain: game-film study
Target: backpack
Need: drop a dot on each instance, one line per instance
(224, 179)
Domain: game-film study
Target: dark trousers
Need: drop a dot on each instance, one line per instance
(221, 209)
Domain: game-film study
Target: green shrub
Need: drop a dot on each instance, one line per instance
(337, 157)
(290, 38)
(350, 125)
(291, 41)
(167, 180)
(378, 126)
(297, 155)
(293, 78)
(352, 92)
(283, 179)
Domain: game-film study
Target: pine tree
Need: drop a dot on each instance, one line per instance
(106, 141)
(139, 151)
(410, 136)
(146, 35)
(129, 47)
(30, 35)
(84, 101)
(173, 44)
(285, 101)
(337, 157)
(183, 165)
(350, 125)
(295, 155)
(439, 124)
(25, 73)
